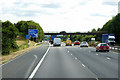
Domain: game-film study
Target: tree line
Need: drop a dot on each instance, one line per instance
(112, 27)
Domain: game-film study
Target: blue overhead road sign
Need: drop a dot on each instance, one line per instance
(53, 36)
(33, 32)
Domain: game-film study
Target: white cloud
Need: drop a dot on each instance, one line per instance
(58, 15)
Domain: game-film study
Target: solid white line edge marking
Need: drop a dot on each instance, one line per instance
(39, 64)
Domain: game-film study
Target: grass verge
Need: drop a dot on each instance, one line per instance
(6, 58)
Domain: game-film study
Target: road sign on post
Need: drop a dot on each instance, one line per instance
(33, 32)
(27, 36)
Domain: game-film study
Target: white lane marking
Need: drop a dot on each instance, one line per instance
(104, 53)
(97, 79)
(14, 58)
(75, 58)
(68, 51)
(35, 56)
(114, 52)
(96, 54)
(29, 69)
(71, 54)
(108, 58)
(83, 65)
(38, 65)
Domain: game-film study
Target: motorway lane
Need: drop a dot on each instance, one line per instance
(104, 65)
(22, 66)
(64, 62)
(59, 63)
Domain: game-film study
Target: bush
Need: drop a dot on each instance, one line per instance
(23, 27)
(9, 34)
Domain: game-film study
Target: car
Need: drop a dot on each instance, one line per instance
(84, 44)
(68, 42)
(57, 42)
(102, 47)
(77, 43)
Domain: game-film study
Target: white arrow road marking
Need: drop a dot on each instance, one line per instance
(29, 69)
(83, 65)
(39, 64)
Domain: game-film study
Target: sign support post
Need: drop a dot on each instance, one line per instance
(28, 37)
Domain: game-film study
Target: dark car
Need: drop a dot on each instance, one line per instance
(51, 42)
(77, 43)
(102, 47)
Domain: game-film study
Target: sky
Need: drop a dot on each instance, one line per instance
(60, 15)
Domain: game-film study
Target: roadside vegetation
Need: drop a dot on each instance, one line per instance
(11, 32)
(14, 35)
(110, 27)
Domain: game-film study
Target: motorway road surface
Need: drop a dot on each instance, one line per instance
(63, 62)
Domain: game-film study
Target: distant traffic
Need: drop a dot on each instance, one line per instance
(104, 45)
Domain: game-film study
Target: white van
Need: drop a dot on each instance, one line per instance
(57, 42)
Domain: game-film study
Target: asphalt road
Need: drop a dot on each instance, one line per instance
(102, 64)
(22, 66)
(64, 62)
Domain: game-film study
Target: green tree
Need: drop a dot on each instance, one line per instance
(93, 30)
(23, 27)
(99, 29)
(9, 34)
(113, 27)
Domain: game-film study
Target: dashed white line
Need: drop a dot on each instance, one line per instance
(68, 51)
(38, 65)
(75, 58)
(96, 54)
(83, 65)
(108, 58)
(71, 54)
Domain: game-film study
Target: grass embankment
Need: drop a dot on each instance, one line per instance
(23, 48)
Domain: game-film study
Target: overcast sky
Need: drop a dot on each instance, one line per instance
(60, 15)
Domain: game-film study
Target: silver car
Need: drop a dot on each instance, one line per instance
(84, 44)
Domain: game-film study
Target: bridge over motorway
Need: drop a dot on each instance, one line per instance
(76, 33)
